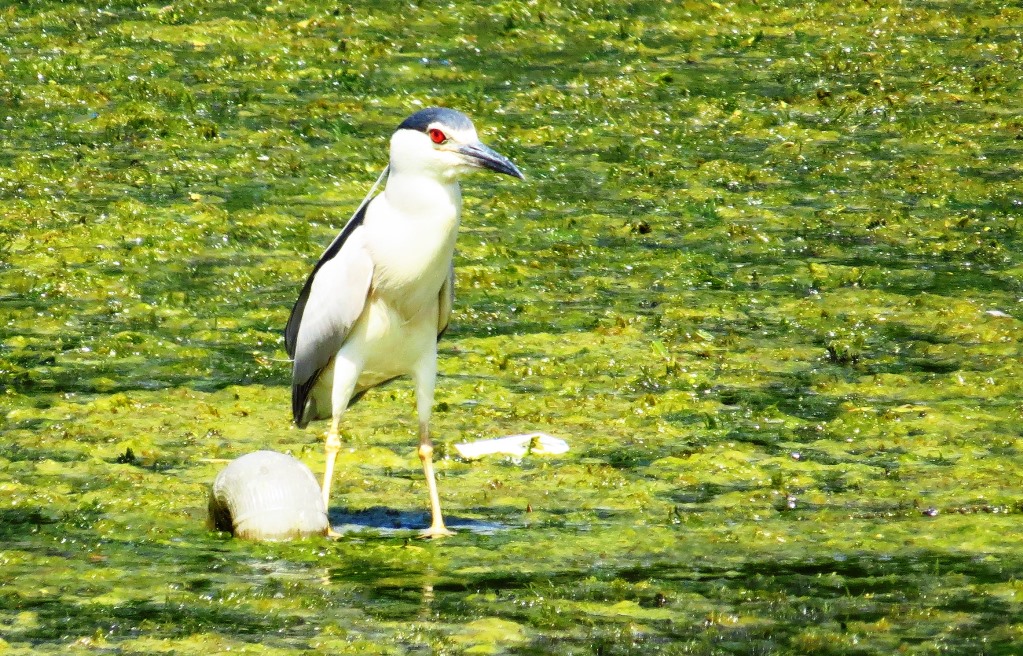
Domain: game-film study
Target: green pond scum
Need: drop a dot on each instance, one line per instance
(765, 277)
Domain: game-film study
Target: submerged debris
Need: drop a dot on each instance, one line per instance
(514, 445)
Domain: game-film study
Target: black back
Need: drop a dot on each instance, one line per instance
(422, 119)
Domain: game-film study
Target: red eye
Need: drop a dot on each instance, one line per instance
(437, 137)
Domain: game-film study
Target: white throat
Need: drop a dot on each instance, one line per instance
(423, 196)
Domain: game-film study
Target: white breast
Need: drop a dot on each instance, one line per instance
(410, 234)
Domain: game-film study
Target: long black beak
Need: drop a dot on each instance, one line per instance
(485, 157)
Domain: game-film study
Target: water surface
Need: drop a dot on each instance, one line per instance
(764, 277)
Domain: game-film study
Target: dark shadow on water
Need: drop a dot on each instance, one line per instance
(385, 521)
(18, 522)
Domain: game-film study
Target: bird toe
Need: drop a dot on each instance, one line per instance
(435, 532)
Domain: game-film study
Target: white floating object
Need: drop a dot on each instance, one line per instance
(998, 313)
(267, 495)
(514, 445)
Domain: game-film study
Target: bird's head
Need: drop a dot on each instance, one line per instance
(443, 143)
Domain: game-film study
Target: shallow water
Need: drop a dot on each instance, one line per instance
(764, 277)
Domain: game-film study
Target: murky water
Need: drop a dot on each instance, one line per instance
(764, 277)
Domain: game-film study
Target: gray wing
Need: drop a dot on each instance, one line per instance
(331, 300)
(447, 301)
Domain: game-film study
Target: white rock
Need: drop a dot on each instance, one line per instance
(267, 495)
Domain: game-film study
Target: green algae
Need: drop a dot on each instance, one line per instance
(764, 277)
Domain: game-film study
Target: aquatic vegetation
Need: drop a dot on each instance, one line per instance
(765, 279)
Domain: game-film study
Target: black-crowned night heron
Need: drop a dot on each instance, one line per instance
(378, 300)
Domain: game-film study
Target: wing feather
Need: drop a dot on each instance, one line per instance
(295, 320)
(447, 301)
(330, 302)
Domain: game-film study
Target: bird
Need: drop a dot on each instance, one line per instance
(380, 297)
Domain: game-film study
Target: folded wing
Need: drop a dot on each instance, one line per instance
(330, 302)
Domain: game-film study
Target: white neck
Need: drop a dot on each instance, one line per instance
(417, 194)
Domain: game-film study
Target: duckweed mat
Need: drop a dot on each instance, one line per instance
(764, 277)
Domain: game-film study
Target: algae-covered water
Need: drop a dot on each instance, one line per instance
(765, 277)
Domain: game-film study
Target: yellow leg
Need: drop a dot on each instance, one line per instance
(330, 449)
(437, 528)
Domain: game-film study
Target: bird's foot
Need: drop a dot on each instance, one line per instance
(332, 534)
(435, 532)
